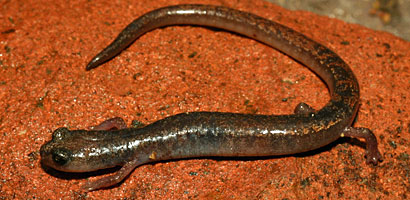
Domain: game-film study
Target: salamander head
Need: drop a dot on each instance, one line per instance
(71, 151)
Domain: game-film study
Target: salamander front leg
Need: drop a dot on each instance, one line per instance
(112, 179)
(113, 123)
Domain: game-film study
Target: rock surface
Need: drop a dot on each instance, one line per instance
(45, 45)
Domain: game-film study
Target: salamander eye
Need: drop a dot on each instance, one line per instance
(60, 133)
(61, 156)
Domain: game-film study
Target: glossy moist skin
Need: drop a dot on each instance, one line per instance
(198, 134)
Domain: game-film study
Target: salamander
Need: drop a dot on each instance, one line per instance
(207, 134)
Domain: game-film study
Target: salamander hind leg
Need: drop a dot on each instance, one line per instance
(372, 152)
(303, 108)
(113, 123)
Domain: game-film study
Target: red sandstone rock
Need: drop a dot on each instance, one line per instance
(45, 45)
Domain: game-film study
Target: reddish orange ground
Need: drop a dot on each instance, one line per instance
(45, 45)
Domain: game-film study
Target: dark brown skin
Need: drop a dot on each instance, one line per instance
(199, 134)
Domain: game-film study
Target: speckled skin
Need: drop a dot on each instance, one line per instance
(199, 134)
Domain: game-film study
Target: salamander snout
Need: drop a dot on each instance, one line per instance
(56, 158)
(54, 154)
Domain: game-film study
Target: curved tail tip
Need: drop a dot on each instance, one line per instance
(89, 67)
(93, 64)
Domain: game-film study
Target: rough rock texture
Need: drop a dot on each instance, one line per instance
(45, 45)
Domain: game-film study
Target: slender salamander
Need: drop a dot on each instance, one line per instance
(198, 134)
